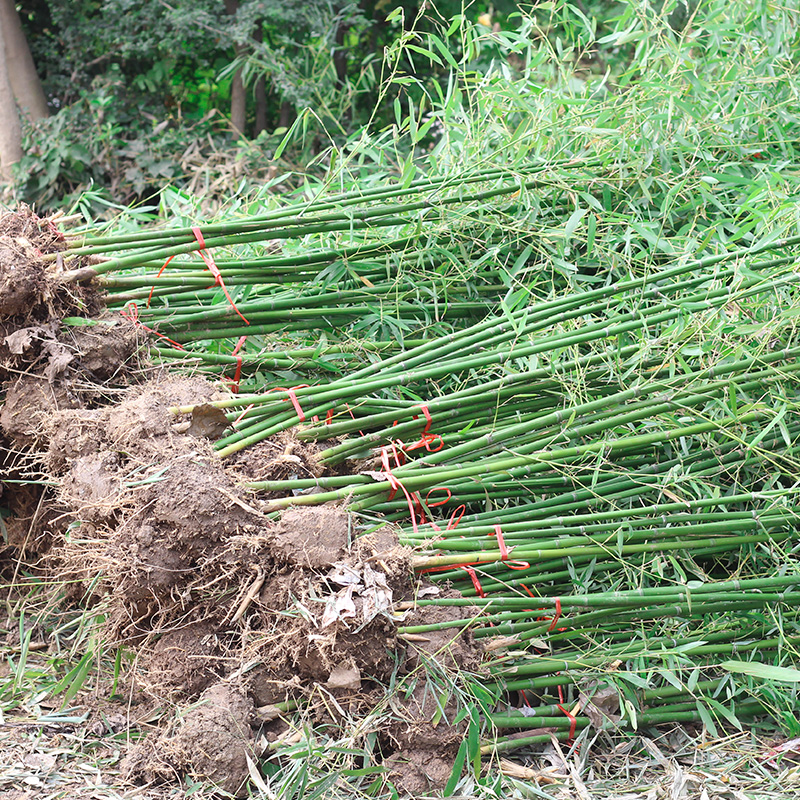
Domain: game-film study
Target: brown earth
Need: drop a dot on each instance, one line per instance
(224, 607)
(211, 741)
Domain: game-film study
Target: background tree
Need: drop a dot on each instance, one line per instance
(238, 98)
(20, 88)
(10, 134)
(21, 71)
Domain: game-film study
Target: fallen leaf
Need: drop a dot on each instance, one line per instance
(788, 751)
(376, 594)
(208, 421)
(500, 642)
(60, 359)
(19, 341)
(40, 761)
(339, 606)
(601, 706)
(344, 574)
(377, 475)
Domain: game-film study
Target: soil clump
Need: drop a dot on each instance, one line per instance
(211, 741)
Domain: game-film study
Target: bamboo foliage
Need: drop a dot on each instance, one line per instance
(568, 372)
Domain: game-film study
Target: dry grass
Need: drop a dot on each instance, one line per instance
(674, 764)
(46, 754)
(67, 760)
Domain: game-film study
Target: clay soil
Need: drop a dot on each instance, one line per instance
(228, 612)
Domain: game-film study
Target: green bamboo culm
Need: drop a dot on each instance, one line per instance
(592, 441)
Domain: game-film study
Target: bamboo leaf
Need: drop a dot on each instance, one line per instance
(767, 672)
(458, 767)
(574, 220)
(707, 719)
(443, 50)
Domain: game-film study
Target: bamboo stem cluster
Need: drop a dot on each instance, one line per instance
(604, 469)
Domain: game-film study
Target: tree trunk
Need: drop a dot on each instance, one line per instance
(340, 54)
(238, 97)
(261, 107)
(260, 92)
(238, 100)
(287, 114)
(25, 83)
(10, 133)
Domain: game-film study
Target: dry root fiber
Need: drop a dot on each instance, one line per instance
(201, 582)
(225, 608)
(46, 366)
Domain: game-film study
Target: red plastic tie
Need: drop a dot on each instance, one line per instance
(455, 517)
(438, 502)
(432, 437)
(350, 412)
(475, 582)
(214, 270)
(498, 532)
(395, 484)
(238, 374)
(241, 416)
(449, 567)
(504, 551)
(397, 452)
(54, 230)
(572, 722)
(160, 273)
(557, 616)
(131, 313)
(295, 402)
(208, 259)
(427, 414)
(328, 417)
(426, 441)
(418, 507)
(388, 472)
(293, 397)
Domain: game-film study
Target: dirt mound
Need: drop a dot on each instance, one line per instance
(48, 364)
(208, 588)
(226, 607)
(30, 266)
(211, 741)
